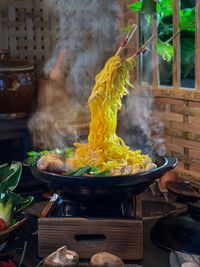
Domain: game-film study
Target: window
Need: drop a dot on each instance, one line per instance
(180, 76)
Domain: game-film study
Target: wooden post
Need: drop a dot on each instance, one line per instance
(176, 44)
(1, 32)
(155, 82)
(197, 45)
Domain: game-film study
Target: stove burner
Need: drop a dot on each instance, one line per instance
(112, 209)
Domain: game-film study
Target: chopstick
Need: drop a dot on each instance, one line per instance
(123, 44)
(127, 39)
(142, 48)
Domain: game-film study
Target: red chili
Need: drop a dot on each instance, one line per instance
(112, 171)
(2, 224)
(85, 174)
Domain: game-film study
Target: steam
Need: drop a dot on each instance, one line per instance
(138, 127)
(87, 34)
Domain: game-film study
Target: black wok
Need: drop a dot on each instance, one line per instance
(107, 187)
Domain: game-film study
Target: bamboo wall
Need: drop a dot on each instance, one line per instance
(182, 133)
(28, 30)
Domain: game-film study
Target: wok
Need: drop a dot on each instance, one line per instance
(107, 187)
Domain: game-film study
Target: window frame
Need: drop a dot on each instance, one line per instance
(175, 91)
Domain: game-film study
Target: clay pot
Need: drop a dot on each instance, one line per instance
(17, 86)
(168, 176)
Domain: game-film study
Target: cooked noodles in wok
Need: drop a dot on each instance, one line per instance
(105, 149)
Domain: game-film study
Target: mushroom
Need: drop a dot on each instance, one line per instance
(136, 168)
(62, 257)
(150, 166)
(52, 162)
(145, 161)
(105, 259)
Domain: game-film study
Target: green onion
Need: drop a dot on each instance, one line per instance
(83, 170)
(101, 173)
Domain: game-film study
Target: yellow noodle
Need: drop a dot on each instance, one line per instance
(105, 149)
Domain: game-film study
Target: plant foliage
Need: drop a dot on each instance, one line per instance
(11, 204)
(164, 11)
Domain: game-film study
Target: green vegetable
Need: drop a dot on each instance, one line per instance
(88, 169)
(94, 169)
(72, 172)
(82, 170)
(101, 173)
(10, 175)
(11, 204)
(6, 213)
(33, 158)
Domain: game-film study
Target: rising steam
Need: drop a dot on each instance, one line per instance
(87, 35)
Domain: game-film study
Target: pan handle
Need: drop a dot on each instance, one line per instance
(171, 164)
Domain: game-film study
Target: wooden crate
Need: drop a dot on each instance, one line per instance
(122, 237)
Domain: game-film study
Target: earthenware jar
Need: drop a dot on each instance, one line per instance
(17, 86)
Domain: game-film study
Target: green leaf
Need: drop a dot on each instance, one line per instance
(6, 212)
(187, 56)
(166, 8)
(144, 6)
(158, 7)
(126, 29)
(4, 168)
(149, 7)
(20, 204)
(66, 152)
(187, 19)
(10, 176)
(32, 153)
(16, 202)
(165, 50)
(136, 6)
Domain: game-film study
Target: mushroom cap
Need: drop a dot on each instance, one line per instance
(105, 259)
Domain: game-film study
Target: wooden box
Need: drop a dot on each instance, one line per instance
(87, 236)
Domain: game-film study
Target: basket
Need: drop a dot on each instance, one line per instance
(11, 232)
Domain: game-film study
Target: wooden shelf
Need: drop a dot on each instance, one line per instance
(13, 128)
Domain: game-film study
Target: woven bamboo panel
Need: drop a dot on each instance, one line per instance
(182, 133)
(28, 30)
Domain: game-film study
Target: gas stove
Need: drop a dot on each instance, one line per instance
(63, 207)
(88, 227)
